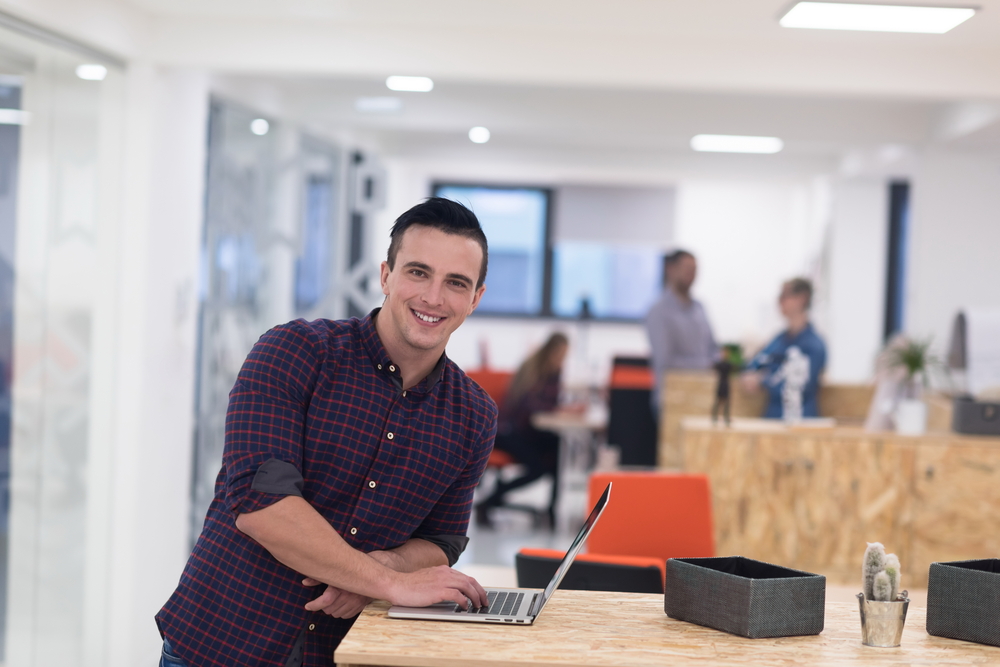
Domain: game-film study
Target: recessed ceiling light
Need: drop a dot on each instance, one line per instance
(731, 143)
(378, 104)
(91, 72)
(479, 135)
(259, 126)
(879, 18)
(410, 84)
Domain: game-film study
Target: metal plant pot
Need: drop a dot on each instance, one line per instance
(882, 622)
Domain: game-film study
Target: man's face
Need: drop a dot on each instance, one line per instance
(791, 304)
(432, 288)
(682, 274)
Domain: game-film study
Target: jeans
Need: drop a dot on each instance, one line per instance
(167, 657)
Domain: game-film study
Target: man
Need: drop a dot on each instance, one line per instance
(791, 364)
(352, 452)
(680, 337)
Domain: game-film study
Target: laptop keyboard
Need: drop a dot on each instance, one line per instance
(501, 603)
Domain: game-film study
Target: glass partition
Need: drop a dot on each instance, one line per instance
(59, 156)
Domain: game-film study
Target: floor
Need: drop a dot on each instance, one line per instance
(490, 554)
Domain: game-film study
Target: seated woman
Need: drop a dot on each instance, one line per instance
(535, 388)
(791, 364)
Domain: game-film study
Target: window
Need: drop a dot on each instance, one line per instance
(606, 262)
(617, 281)
(515, 221)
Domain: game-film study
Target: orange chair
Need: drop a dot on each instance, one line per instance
(651, 517)
(591, 572)
(496, 384)
(654, 514)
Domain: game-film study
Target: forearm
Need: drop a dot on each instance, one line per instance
(299, 537)
(414, 554)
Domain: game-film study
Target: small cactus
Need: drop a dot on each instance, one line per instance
(892, 569)
(880, 574)
(874, 563)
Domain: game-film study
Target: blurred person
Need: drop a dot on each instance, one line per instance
(680, 337)
(534, 388)
(352, 452)
(789, 367)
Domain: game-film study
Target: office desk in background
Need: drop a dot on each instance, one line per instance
(594, 629)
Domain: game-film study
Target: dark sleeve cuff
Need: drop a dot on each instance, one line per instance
(451, 545)
(278, 477)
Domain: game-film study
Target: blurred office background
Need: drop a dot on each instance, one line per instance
(177, 176)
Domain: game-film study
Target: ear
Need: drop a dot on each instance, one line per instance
(384, 272)
(476, 298)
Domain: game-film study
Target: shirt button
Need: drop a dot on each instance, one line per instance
(392, 369)
(371, 484)
(389, 435)
(404, 393)
(312, 626)
(354, 531)
(380, 366)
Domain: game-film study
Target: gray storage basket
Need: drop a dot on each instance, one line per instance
(963, 600)
(745, 597)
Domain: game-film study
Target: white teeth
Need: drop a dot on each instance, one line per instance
(427, 318)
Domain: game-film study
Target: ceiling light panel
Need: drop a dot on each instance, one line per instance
(378, 104)
(410, 84)
(731, 143)
(877, 18)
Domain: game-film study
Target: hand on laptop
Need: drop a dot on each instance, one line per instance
(437, 584)
(336, 602)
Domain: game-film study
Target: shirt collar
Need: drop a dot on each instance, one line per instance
(384, 365)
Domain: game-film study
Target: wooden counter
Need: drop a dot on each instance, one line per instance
(691, 394)
(811, 499)
(588, 628)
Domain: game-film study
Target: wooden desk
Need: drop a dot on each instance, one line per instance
(811, 498)
(588, 628)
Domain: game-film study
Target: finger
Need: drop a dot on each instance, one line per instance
(329, 597)
(349, 608)
(309, 581)
(472, 590)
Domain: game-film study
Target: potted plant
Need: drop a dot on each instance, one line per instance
(883, 607)
(911, 357)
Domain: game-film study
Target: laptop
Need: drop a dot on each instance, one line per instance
(509, 605)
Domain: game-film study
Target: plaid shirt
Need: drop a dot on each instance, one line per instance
(382, 465)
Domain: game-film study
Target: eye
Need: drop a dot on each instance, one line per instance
(418, 273)
(459, 284)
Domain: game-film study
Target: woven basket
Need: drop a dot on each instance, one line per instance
(745, 597)
(963, 600)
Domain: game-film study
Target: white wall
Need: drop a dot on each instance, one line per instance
(750, 236)
(954, 245)
(857, 274)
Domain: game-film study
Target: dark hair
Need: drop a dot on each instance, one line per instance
(672, 259)
(444, 214)
(800, 286)
(537, 367)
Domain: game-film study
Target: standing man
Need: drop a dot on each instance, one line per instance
(680, 336)
(352, 451)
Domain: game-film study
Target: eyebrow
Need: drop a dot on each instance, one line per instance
(424, 267)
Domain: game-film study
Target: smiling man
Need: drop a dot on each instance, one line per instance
(352, 452)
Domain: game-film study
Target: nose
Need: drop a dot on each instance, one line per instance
(434, 294)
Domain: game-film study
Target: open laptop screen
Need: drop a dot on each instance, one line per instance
(574, 548)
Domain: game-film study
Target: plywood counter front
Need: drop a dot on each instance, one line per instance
(811, 499)
(604, 629)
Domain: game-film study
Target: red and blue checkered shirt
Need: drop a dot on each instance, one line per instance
(382, 465)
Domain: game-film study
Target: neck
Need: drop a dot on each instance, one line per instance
(797, 323)
(683, 294)
(414, 364)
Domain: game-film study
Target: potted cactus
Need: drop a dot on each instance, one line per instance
(883, 606)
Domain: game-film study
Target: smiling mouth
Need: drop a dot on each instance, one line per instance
(429, 319)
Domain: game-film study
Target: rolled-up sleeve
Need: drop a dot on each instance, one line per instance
(265, 422)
